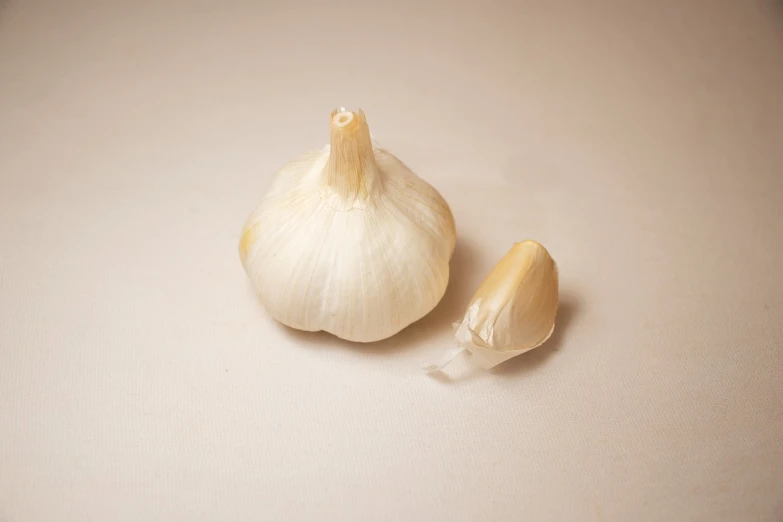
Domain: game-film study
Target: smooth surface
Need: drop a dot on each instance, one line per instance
(640, 142)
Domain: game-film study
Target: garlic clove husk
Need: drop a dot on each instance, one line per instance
(349, 240)
(513, 311)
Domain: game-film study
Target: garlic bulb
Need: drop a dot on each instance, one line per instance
(349, 240)
(513, 311)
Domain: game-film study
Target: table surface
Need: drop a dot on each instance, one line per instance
(641, 142)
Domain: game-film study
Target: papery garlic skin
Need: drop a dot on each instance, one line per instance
(514, 309)
(349, 240)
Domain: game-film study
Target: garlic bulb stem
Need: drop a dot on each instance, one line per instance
(351, 177)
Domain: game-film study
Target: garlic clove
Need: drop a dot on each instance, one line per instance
(514, 309)
(349, 240)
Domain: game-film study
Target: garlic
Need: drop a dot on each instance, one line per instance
(512, 312)
(349, 240)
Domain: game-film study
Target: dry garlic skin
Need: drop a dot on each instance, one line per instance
(514, 309)
(349, 240)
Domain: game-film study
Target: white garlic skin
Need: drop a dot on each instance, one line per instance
(514, 309)
(348, 240)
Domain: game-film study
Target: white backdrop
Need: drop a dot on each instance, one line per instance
(640, 142)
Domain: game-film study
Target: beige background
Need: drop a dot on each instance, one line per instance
(641, 142)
